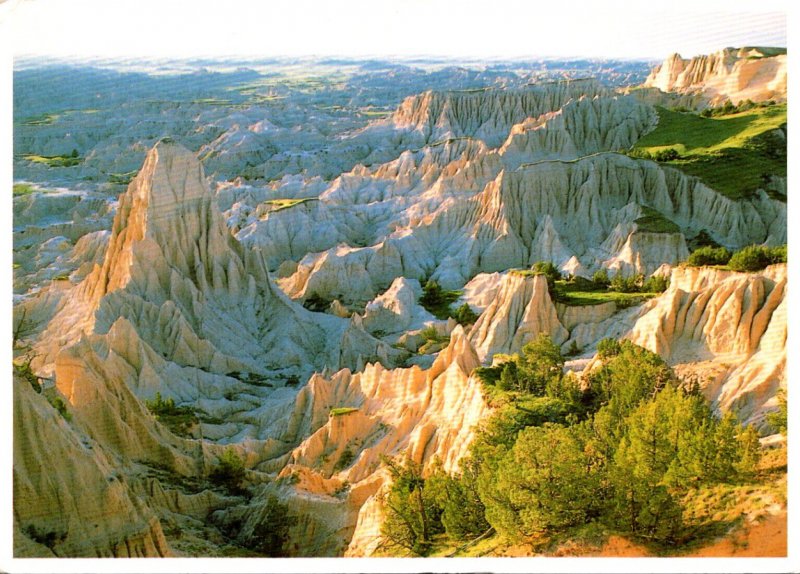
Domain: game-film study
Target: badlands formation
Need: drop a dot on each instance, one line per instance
(286, 318)
(756, 74)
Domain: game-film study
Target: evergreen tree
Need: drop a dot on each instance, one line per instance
(412, 515)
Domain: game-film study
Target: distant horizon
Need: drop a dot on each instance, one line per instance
(514, 30)
(29, 61)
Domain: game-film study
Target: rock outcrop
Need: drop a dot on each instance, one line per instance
(520, 311)
(756, 74)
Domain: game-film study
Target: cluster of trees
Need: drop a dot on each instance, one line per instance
(667, 154)
(229, 473)
(750, 258)
(438, 302)
(728, 108)
(620, 450)
(179, 420)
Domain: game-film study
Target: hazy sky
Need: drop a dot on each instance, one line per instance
(483, 28)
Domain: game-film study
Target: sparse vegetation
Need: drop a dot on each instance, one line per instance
(54, 160)
(44, 536)
(179, 420)
(652, 221)
(270, 535)
(709, 256)
(622, 452)
(59, 404)
(436, 300)
(346, 459)
(779, 419)
(340, 411)
(229, 472)
(316, 302)
(22, 189)
(464, 315)
(623, 291)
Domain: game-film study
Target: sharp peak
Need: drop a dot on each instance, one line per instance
(167, 145)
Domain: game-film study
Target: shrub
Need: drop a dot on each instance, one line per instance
(608, 348)
(779, 420)
(464, 315)
(668, 154)
(623, 284)
(539, 364)
(655, 284)
(59, 404)
(757, 257)
(600, 278)
(315, 302)
(229, 472)
(345, 460)
(271, 533)
(546, 481)
(412, 515)
(709, 255)
(178, 419)
(436, 300)
(549, 270)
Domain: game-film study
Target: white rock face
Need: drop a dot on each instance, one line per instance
(520, 311)
(425, 414)
(730, 74)
(577, 214)
(396, 310)
(179, 298)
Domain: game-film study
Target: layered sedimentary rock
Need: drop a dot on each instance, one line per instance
(487, 115)
(175, 288)
(552, 211)
(726, 328)
(520, 311)
(70, 498)
(756, 74)
(423, 414)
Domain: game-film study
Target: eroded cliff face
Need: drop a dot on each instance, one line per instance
(520, 310)
(756, 74)
(70, 497)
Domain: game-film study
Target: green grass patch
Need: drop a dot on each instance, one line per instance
(122, 178)
(23, 189)
(578, 295)
(733, 154)
(280, 204)
(340, 411)
(179, 420)
(437, 301)
(40, 120)
(54, 160)
(653, 221)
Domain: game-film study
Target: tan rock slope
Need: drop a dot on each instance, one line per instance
(727, 329)
(69, 497)
(756, 74)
